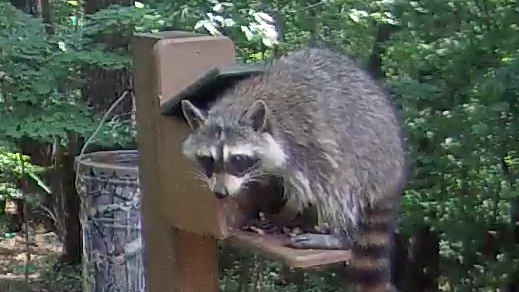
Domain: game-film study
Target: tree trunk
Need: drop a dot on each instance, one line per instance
(46, 14)
(384, 31)
(71, 202)
(27, 6)
(399, 260)
(423, 268)
(103, 87)
(41, 155)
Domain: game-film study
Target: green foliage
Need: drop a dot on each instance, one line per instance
(457, 81)
(243, 271)
(13, 167)
(453, 67)
(40, 80)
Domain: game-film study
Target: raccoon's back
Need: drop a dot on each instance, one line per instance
(344, 146)
(329, 113)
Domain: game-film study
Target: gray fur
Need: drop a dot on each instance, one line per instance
(338, 133)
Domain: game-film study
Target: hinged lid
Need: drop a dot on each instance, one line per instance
(210, 85)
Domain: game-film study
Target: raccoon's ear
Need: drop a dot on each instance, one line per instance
(195, 117)
(256, 116)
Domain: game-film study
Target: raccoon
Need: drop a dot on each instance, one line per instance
(330, 133)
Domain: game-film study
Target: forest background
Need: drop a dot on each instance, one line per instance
(452, 66)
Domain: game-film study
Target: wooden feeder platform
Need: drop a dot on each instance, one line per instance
(272, 246)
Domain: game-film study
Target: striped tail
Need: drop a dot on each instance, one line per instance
(372, 250)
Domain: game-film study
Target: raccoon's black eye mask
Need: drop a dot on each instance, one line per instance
(237, 164)
(207, 164)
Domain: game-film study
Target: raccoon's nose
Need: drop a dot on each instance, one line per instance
(221, 193)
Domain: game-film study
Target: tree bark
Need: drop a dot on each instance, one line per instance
(27, 6)
(423, 268)
(46, 14)
(384, 31)
(71, 202)
(41, 155)
(399, 260)
(104, 87)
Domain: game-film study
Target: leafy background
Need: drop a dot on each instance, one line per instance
(452, 67)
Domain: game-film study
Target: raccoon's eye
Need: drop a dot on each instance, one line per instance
(207, 163)
(241, 163)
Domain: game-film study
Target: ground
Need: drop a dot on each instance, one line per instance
(45, 273)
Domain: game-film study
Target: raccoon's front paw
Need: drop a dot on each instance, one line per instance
(318, 241)
(262, 225)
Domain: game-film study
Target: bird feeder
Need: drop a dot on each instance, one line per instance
(183, 220)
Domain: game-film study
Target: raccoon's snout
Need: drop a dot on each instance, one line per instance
(221, 193)
(225, 185)
(220, 190)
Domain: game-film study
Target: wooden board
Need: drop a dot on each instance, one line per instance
(175, 260)
(183, 200)
(273, 246)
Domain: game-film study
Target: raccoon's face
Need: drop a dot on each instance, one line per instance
(231, 152)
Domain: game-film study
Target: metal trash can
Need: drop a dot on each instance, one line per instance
(108, 185)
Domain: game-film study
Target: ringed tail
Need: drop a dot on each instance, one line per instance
(371, 251)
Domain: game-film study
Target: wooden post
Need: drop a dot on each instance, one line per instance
(179, 214)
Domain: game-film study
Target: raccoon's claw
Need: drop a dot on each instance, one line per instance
(318, 241)
(261, 226)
